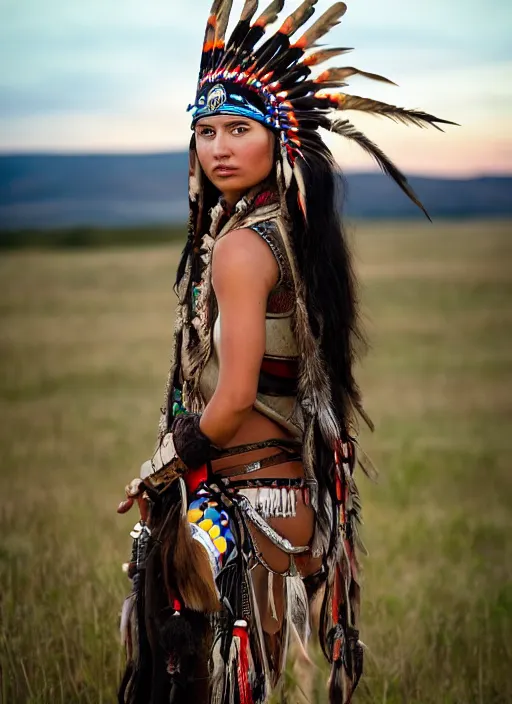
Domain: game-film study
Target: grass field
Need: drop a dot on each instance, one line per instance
(84, 345)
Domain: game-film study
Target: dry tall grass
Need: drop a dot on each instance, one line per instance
(84, 345)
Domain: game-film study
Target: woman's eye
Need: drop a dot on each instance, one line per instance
(206, 132)
(240, 129)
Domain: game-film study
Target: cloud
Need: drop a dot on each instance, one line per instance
(119, 75)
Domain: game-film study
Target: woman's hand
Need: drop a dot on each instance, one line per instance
(135, 492)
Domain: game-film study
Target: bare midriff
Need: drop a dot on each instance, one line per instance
(257, 428)
(298, 529)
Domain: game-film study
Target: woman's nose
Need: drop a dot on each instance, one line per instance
(221, 148)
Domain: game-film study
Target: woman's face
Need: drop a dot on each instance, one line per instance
(235, 153)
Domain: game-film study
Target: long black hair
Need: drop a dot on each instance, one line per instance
(325, 265)
(330, 288)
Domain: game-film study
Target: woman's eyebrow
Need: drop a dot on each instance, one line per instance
(231, 123)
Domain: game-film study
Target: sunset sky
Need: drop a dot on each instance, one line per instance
(117, 75)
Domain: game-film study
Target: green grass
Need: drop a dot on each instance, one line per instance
(84, 342)
(80, 237)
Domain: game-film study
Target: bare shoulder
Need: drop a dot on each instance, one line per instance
(243, 255)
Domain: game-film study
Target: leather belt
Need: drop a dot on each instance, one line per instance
(273, 460)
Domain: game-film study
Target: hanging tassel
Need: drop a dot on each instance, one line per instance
(347, 664)
(241, 642)
(340, 609)
(272, 502)
(298, 608)
(270, 592)
(233, 676)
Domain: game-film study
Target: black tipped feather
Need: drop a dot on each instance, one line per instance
(277, 44)
(249, 10)
(318, 57)
(294, 77)
(244, 23)
(281, 64)
(339, 74)
(270, 14)
(298, 18)
(346, 129)
(323, 25)
(375, 107)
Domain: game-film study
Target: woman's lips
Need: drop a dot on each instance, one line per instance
(225, 170)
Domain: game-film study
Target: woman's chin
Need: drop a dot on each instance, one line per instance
(233, 183)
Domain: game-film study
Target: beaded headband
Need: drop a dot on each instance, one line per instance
(229, 98)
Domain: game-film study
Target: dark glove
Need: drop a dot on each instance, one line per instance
(194, 448)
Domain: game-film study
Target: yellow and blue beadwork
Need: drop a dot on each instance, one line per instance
(206, 515)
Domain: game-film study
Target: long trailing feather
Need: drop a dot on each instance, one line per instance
(298, 18)
(324, 24)
(318, 57)
(342, 101)
(346, 129)
(339, 74)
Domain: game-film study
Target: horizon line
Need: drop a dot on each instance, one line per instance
(165, 152)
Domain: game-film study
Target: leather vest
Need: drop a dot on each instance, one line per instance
(277, 384)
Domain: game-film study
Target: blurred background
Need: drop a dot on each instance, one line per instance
(93, 183)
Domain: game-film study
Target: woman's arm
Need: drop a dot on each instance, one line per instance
(244, 271)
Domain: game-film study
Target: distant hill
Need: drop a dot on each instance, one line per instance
(61, 191)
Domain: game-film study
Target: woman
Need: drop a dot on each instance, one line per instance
(249, 504)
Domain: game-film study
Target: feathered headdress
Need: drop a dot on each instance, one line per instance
(273, 84)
